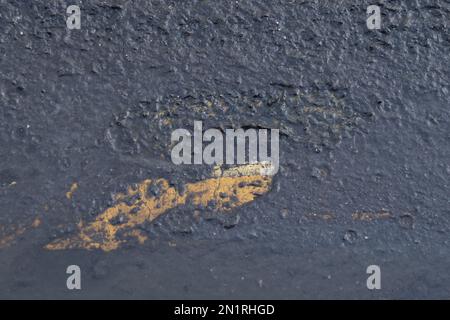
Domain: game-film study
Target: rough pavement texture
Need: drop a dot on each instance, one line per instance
(364, 117)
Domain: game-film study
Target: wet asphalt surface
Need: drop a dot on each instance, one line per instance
(364, 149)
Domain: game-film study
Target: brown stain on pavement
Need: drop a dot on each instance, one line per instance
(9, 235)
(73, 188)
(370, 216)
(227, 189)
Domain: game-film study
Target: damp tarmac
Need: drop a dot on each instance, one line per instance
(86, 176)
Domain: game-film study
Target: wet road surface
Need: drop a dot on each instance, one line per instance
(88, 114)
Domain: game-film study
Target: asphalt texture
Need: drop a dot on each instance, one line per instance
(364, 152)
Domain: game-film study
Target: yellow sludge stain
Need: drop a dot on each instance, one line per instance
(370, 216)
(73, 188)
(8, 237)
(10, 234)
(225, 190)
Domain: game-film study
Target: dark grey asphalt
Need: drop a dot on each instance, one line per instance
(364, 117)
